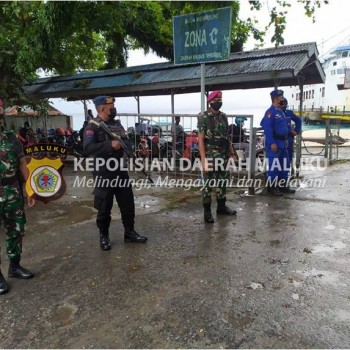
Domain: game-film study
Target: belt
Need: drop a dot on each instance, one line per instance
(8, 181)
(221, 142)
(280, 137)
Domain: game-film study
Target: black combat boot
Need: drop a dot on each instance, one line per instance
(105, 242)
(287, 190)
(3, 285)
(131, 235)
(208, 218)
(274, 191)
(222, 209)
(17, 271)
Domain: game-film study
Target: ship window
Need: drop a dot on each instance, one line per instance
(344, 54)
(335, 63)
(340, 71)
(323, 91)
(313, 93)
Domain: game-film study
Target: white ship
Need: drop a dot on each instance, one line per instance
(330, 100)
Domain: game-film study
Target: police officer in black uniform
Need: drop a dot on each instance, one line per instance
(98, 145)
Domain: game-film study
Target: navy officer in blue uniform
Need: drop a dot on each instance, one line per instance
(98, 145)
(293, 130)
(275, 128)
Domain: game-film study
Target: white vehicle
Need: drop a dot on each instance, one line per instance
(330, 100)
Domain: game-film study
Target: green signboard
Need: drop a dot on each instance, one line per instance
(202, 37)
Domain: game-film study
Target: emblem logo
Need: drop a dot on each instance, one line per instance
(45, 181)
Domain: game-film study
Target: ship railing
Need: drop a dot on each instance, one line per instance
(336, 110)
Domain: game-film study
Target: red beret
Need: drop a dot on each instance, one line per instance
(213, 95)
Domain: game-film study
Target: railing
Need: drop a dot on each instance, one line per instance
(189, 122)
(336, 110)
(330, 142)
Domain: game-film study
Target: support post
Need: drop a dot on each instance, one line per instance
(296, 171)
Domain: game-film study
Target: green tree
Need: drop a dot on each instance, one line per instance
(65, 37)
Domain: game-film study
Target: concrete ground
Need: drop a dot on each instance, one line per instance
(275, 276)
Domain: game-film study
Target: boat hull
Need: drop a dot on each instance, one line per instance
(317, 117)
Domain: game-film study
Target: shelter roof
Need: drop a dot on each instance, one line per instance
(244, 70)
(17, 111)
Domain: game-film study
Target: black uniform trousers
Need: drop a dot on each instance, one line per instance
(103, 202)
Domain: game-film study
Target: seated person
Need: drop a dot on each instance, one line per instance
(141, 129)
(41, 135)
(142, 141)
(81, 131)
(178, 133)
(238, 137)
(89, 115)
(26, 134)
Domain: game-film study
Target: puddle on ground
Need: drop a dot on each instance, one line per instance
(281, 213)
(324, 276)
(255, 285)
(343, 315)
(63, 315)
(344, 231)
(329, 226)
(149, 204)
(295, 296)
(322, 248)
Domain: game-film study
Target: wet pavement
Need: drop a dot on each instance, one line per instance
(275, 276)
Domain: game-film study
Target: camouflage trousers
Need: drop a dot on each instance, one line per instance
(13, 217)
(217, 179)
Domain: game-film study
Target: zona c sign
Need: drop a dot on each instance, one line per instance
(202, 37)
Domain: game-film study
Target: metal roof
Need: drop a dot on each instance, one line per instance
(342, 48)
(18, 111)
(244, 70)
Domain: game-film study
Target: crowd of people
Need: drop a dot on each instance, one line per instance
(216, 140)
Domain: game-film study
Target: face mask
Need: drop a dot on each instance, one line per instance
(112, 113)
(216, 105)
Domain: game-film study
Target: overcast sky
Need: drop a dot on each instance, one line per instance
(331, 29)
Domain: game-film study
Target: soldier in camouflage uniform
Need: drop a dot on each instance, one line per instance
(213, 140)
(98, 145)
(12, 163)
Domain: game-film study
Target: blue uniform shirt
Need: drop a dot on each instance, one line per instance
(275, 128)
(290, 116)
